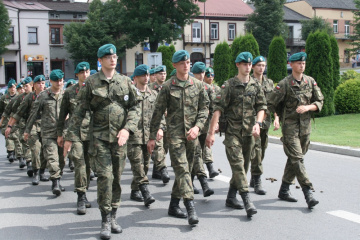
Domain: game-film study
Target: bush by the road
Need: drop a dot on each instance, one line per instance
(347, 98)
(349, 74)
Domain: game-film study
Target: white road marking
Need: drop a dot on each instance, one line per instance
(346, 215)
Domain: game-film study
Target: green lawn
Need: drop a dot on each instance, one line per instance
(343, 130)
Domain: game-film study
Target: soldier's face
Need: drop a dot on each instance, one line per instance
(160, 76)
(259, 68)
(152, 78)
(182, 67)
(244, 68)
(298, 66)
(199, 76)
(209, 78)
(20, 90)
(57, 85)
(83, 75)
(28, 87)
(142, 80)
(108, 61)
(39, 86)
(12, 90)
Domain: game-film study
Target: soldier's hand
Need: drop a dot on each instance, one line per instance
(26, 136)
(7, 132)
(123, 136)
(256, 130)
(276, 123)
(159, 135)
(67, 147)
(60, 141)
(217, 128)
(302, 109)
(151, 146)
(210, 139)
(192, 133)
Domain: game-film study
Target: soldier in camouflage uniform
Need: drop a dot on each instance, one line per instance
(34, 141)
(4, 101)
(261, 143)
(152, 76)
(79, 154)
(198, 70)
(186, 102)
(240, 100)
(162, 146)
(293, 99)
(48, 104)
(114, 103)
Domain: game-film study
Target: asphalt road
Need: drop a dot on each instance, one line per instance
(32, 212)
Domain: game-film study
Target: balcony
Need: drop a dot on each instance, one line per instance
(295, 42)
(188, 39)
(343, 35)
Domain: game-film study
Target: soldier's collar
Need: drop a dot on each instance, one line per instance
(175, 81)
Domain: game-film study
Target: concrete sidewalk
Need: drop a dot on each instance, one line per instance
(354, 152)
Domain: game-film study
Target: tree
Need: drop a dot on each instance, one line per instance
(356, 35)
(157, 20)
(314, 24)
(277, 60)
(5, 38)
(248, 43)
(222, 63)
(319, 66)
(336, 63)
(167, 53)
(266, 22)
(234, 51)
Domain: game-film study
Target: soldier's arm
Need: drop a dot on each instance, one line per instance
(317, 97)
(2, 105)
(260, 105)
(160, 107)
(277, 96)
(35, 111)
(64, 111)
(24, 107)
(134, 112)
(203, 108)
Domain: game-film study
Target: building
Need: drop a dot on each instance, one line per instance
(338, 13)
(28, 54)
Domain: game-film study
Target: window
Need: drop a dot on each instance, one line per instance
(347, 28)
(52, 15)
(80, 16)
(335, 26)
(196, 32)
(55, 35)
(138, 59)
(32, 35)
(232, 31)
(75, 15)
(214, 30)
(11, 33)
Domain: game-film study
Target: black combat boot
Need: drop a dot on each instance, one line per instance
(148, 199)
(36, 177)
(115, 227)
(164, 175)
(257, 185)
(11, 156)
(155, 174)
(196, 191)
(136, 196)
(22, 162)
(249, 206)
(205, 187)
(231, 200)
(81, 209)
(175, 210)
(212, 172)
(8, 154)
(105, 226)
(71, 165)
(29, 169)
(87, 203)
(190, 208)
(310, 200)
(285, 194)
(55, 186)
(251, 182)
(43, 178)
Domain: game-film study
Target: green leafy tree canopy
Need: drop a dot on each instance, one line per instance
(167, 53)
(5, 38)
(277, 60)
(222, 62)
(314, 24)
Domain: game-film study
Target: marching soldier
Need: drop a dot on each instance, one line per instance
(152, 76)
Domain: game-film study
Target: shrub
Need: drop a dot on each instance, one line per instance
(349, 74)
(221, 63)
(167, 53)
(336, 63)
(235, 51)
(347, 98)
(277, 60)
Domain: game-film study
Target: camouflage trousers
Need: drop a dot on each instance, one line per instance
(182, 154)
(14, 136)
(109, 163)
(10, 145)
(238, 152)
(37, 155)
(25, 146)
(207, 155)
(139, 160)
(258, 153)
(54, 157)
(159, 153)
(295, 148)
(198, 167)
(79, 154)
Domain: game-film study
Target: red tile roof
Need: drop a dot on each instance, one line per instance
(225, 8)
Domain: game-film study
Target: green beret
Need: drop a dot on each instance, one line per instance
(83, 66)
(209, 70)
(300, 56)
(70, 82)
(92, 72)
(27, 80)
(173, 72)
(161, 68)
(152, 71)
(258, 59)
(107, 49)
(199, 67)
(141, 70)
(56, 75)
(39, 78)
(19, 86)
(180, 55)
(244, 57)
(11, 83)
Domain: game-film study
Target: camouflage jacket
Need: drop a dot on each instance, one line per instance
(49, 107)
(287, 96)
(267, 85)
(155, 86)
(211, 92)
(11, 109)
(24, 109)
(240, 104)
(114, 104)
(4, 101)
(187, 106)
(67, 107)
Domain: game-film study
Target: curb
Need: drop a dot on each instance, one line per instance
(353, 152)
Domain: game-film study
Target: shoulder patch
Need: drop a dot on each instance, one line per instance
(206, 88)
(173, 81)
(315, 84)
(277, 87)
(223, 86)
